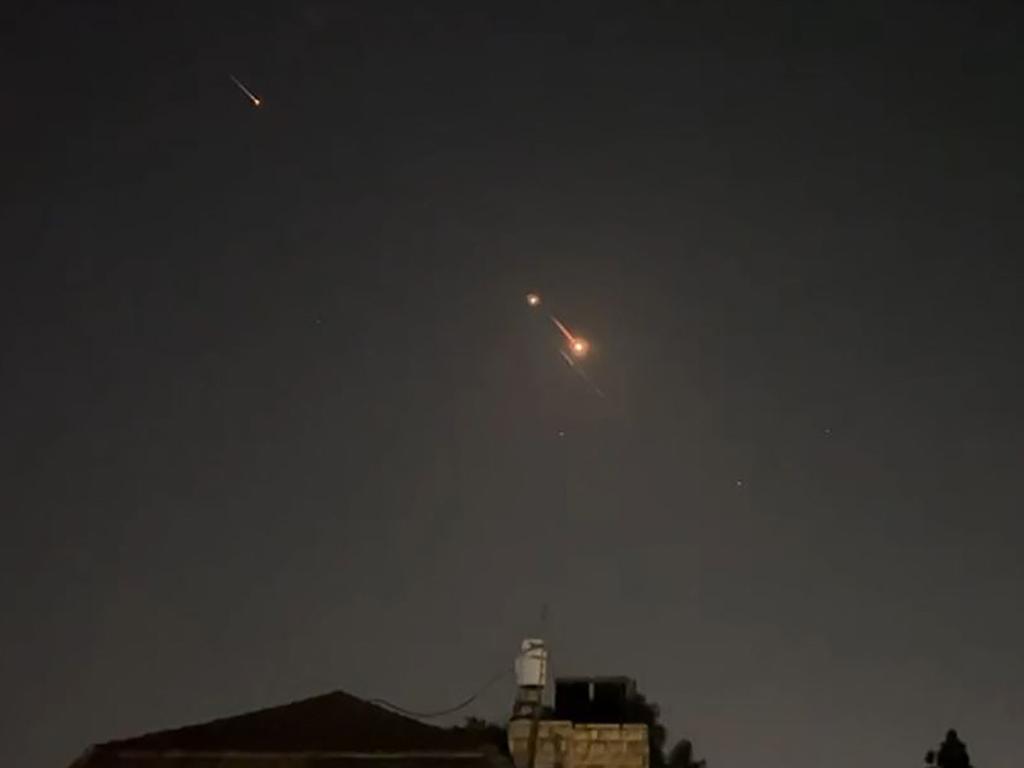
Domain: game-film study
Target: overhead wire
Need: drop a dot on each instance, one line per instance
(449, 710)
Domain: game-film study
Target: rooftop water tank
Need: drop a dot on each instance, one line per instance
(532, 664)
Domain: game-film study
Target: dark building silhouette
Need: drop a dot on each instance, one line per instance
(335, 730)
(952, 753)
(594, 699)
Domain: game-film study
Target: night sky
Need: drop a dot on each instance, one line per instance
(276, 419)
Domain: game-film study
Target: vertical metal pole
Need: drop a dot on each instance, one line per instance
(535, 717)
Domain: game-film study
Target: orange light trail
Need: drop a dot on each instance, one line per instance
(565, 331)
(252, 96)
(578, 346)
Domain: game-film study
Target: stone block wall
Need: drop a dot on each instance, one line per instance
(564, 744)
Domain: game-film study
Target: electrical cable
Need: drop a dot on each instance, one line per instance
(440, 713)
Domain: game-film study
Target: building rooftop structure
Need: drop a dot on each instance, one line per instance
(594, 699)
(335, 730)
(595, 723)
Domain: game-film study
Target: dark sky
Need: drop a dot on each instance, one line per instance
(275, 419)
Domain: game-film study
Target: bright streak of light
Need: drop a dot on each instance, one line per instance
(577, 345)
(582, 373)
(565, 331)
(252, 96)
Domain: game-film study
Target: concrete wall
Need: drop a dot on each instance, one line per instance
(563, 744)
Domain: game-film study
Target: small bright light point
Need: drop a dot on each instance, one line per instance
(255, 102)
(533, 299)
(579, 347)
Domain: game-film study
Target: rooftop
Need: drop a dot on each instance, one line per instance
(332, 730)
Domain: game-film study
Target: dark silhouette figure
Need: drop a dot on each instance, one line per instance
(681, 756)
(640, 710)
(492, 734)
(952, 753)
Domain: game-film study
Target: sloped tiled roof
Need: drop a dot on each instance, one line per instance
(334, 730)
(102, 758)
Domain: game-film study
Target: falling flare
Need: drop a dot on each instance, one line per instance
(252, 96)
(576, 347)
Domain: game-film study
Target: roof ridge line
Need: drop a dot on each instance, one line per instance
(277, 754)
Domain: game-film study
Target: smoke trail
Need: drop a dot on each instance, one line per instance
(582, 373)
